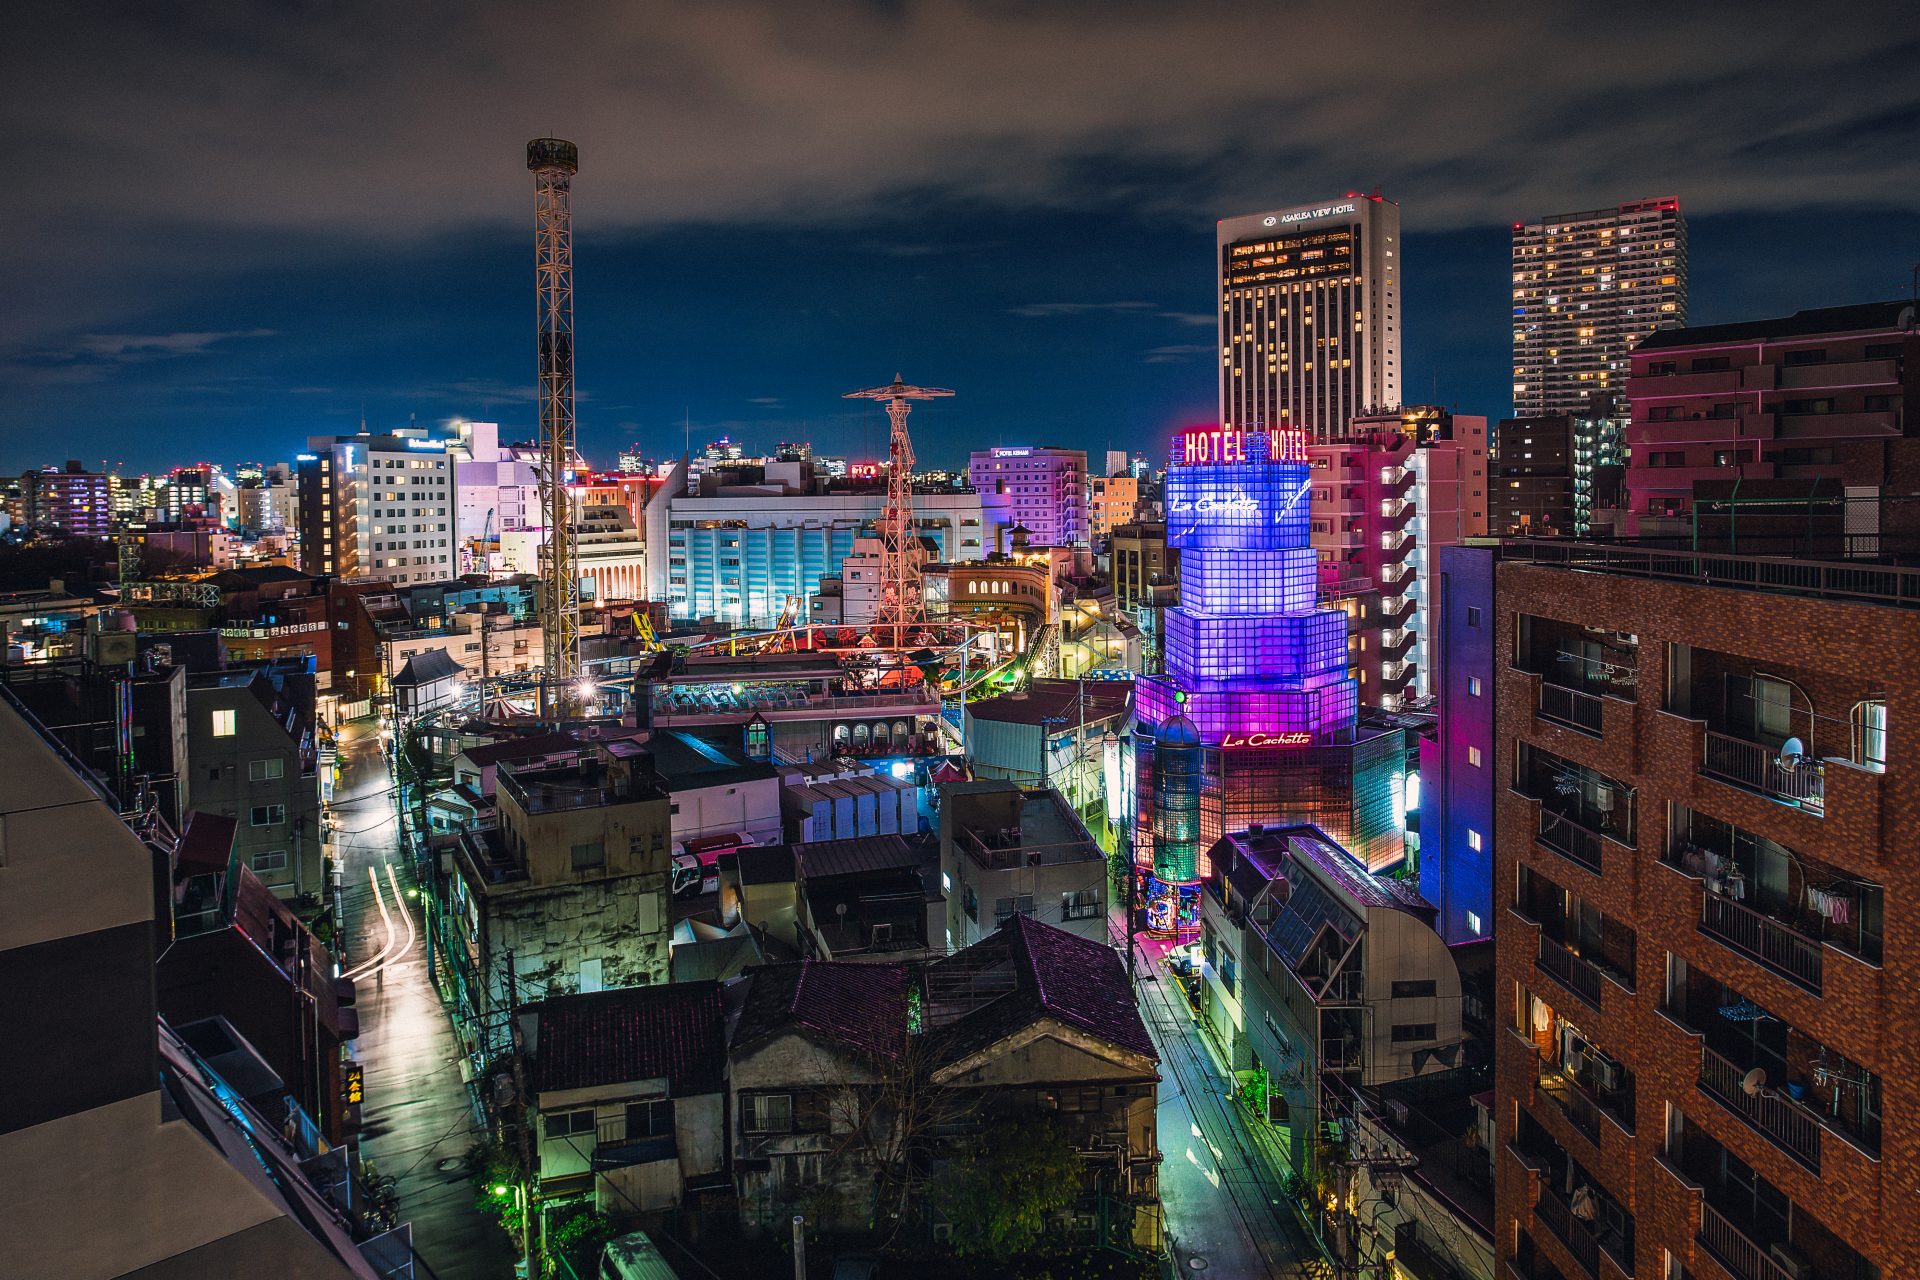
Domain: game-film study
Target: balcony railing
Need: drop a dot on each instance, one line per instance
(1738, 1252)
(1566, 1095)
(1557, 1215)
(1786, 951)
(1576, 973)
(1571, 707)
(1569, 839)
(1754, 766)
(1792, 1128)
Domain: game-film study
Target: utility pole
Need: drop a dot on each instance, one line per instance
(526, 1119)
(799, 1247)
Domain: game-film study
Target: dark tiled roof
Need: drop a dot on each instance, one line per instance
(860, 855)
(540, 744)
(676, 1031)
(685, 762)
(862, 1006)
(425, 667)
(1055, 974)
(1866, 317)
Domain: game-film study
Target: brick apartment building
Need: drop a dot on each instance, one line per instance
(1708, 987)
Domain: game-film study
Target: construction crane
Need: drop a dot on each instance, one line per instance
(477, 559)
(903, 607)
(553, 163)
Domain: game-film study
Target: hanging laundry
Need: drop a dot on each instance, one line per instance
(1839, 909)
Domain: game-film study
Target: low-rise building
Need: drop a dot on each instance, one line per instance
(1053, 734)
(470, 802)
(629, 1088)
(1320, 977)
(253, 755)
(568, 893)
(1008, 850)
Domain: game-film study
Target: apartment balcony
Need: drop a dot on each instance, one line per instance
(1660, 385)
(1882, 424)
(1761, 769)
(1574, 972)
(1785, 950)
(1572, 708)
(1556, 1215)
(1841, 373)
(1788, 1125)
(1578, 844)
(1743, 1256)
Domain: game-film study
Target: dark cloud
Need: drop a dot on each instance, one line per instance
(175, 162)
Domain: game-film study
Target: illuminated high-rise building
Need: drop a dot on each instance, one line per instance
(1587, 288)
(1256, 719)
(1310, 315)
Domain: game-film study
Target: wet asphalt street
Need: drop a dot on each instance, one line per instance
(418, 1119)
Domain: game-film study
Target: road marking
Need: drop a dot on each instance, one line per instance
(400, 905)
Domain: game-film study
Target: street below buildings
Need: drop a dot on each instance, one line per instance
(418, 1118)
(1225, 1212)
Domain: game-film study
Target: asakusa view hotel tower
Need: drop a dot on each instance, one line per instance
(1310, 315)
(1256, 717)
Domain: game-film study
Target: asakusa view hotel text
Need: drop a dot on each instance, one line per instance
(1310, 315)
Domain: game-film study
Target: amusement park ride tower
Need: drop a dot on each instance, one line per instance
(903, 609)
(1256, 719)
(554, 163)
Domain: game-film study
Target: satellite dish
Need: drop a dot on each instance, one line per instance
(1792, 752)
(1754, 1082)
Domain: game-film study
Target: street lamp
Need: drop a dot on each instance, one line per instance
(518, 1191)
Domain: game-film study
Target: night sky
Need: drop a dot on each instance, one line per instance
(227, 231)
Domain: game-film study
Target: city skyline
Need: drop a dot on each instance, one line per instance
(354, 242)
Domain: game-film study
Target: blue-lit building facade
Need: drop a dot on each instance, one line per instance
(1456, 765)
(738, 558)
(1255, 719)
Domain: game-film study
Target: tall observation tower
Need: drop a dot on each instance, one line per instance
(903, 607)
(554, 163)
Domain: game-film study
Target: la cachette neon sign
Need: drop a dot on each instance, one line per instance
(1294, 739)
(1224, 446)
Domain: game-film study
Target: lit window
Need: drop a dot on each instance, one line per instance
(225, 723)
(1473, 686)
(1473, 923)
(1474, 841)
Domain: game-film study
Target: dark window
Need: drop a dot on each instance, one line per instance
(1812, 355)
(1473, 616)
(566, 1124)
(1878, 404)
(1711, 364)
(1415, 988)
(1883, 351)
(1659, 367)
(592, 854)
(1082, 1099)
(1406, 1032)
(1822, 405)
(650, 1119)
(269, 815)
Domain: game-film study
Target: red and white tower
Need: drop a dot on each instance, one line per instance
(554, 163)
(903, 607)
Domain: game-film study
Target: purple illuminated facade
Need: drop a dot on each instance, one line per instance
(1256, 673)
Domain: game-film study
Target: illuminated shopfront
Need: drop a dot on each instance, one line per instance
(1256, 717)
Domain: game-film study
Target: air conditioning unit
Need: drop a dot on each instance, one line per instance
(1606, 1072)
(1397, 1110)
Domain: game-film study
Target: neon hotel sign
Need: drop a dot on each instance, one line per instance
(1223, 446)
(1295, 739)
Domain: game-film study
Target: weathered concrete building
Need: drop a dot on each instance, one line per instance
(569, 892)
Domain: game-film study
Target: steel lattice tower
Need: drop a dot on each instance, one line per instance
(554, 163)
(902, 605)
